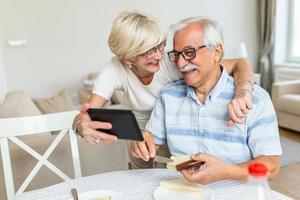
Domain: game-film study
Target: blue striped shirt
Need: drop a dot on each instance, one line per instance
(187, 126)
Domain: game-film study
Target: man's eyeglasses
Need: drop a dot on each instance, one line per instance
(150, 53)
(187, 54)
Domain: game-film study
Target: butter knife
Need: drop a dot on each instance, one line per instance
(162, 159)
(74, 193)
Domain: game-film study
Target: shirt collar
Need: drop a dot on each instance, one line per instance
(216, 91)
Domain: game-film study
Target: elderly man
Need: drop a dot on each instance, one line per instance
(190, 115)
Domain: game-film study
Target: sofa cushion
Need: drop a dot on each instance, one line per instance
(18, 104)
(57, 103)
(289, 103)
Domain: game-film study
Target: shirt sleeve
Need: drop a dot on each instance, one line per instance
(263, 133)
(108, 81)
(156, 123)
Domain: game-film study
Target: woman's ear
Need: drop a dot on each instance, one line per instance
(218, 53)
(127, 62)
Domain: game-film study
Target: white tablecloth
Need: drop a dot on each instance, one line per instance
(134, 184)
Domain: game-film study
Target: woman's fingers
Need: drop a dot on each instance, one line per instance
(100, 125)
(232, 116)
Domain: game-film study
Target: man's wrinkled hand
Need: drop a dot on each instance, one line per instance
(213, 170)
(145, 149)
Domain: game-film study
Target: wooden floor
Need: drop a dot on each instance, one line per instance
(288, 180)
(292, 135)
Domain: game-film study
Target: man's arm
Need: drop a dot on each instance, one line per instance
(215, 169)
(240, 172)
(156, 125)
(240, 105)
(263, 142)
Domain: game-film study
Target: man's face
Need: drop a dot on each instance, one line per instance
(196, 71)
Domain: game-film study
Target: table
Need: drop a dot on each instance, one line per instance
(134, 184)
(288, 181)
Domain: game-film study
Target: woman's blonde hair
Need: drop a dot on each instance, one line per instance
(134, 33)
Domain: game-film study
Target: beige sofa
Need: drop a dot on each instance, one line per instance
(286, 100)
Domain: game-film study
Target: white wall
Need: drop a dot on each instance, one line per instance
(67, 39)
(3, 82)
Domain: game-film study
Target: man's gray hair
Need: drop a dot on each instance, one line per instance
(212, 32)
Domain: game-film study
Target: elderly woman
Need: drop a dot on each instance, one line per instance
(140, 71)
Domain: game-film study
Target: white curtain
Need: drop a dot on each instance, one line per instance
(267, 28)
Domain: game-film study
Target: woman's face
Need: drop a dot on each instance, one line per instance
(148, 63)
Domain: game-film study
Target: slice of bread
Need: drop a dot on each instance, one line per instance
(177, 160)
(183, 162)
(181, 184)
(103, 198)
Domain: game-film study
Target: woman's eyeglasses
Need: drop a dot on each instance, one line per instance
(151, 53)
(187, 54)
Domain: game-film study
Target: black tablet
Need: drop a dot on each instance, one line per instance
(124, 124)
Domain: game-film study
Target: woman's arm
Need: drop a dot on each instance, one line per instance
(105, 85)
(240, 69)
(240, 105)
(87, 128)
(97, 101)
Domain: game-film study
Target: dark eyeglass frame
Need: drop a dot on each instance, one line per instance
(151, 52)
(174, 55)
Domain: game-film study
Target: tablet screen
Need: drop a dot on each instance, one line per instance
(124, 124)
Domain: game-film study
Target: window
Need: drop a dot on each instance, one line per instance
(294, 32)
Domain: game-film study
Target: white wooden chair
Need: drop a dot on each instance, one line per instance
(10, 128)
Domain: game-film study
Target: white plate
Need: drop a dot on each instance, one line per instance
(163, 194)
(94, 194)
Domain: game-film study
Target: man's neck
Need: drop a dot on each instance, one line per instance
(209, 83)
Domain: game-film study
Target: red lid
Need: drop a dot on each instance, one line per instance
(257, 169)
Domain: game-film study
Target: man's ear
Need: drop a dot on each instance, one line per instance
(218, 53)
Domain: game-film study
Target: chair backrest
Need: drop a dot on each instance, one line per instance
(10, 128)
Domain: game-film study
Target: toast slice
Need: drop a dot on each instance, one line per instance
(183, 162)
(180, 184)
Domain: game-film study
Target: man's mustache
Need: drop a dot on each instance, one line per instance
(188, 67)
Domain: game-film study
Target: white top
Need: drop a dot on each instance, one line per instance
(137, 97)
(134, 185)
